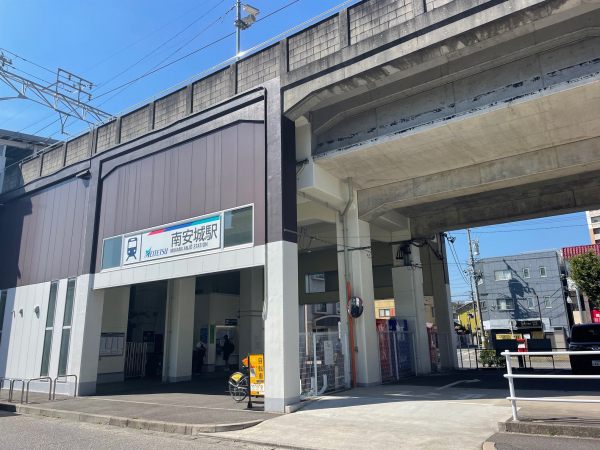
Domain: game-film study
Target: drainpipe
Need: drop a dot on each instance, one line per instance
(347, 274)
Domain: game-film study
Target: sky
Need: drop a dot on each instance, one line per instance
(112, 42)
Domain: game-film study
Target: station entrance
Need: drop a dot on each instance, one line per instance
(176, 330)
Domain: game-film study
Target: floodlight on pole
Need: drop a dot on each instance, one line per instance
(243, 23)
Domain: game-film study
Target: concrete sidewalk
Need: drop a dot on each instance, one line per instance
(389, 416)
(556, 419)
(185, 408)
(399, 416)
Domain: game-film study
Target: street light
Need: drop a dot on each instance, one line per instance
(243, 23)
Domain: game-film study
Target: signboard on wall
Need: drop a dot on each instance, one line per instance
(189, 237)
(112, 344)
(257, 374)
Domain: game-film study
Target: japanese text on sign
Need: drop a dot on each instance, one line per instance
(257, 374)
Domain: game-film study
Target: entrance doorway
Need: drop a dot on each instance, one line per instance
(145, 330)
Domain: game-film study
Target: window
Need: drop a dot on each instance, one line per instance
(595, 219)
(238, 227)
(321, 307)
(66, 329)
(548, 302)
(505, 304)
(49, 326)
(2, 308)
(315, 283)
(530, 303)
(526, 272)
(483, 305)
(543, 272)
(111, 252)
(337, 308)
(502, 275)
(384, 313)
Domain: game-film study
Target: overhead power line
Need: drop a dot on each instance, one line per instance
(157, 48)
(186, 81)
(146, 36)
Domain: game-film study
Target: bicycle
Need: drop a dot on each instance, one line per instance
(239, 385)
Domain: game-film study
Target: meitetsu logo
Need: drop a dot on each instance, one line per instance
(153, 253)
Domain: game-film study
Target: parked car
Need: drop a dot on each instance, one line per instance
(585, 337)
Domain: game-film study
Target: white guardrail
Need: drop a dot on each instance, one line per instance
(511, 384)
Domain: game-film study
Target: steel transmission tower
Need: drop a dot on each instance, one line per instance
(67, 96)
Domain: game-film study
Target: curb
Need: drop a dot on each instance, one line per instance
(581, 431)
(124, 422)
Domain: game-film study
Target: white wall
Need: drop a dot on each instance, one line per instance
(23, 333)
(114, 320)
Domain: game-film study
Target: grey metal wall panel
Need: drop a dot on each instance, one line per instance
(38, 243)
(229, 166)
(198, 186)
(184, 181)
(218, 171)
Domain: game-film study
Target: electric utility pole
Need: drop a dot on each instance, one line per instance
(474, 283)
(243, 23)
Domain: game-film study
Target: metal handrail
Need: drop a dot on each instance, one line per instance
(511, 384)
(36, 379)
(2, 381)
(12, 387)
(66, 377)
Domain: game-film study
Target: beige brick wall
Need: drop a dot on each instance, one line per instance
(170, 108)
(375, 16)
(135, 124)
(211, 90)
(314, 43)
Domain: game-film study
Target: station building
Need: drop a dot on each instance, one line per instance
(335, 157)
(188, 231)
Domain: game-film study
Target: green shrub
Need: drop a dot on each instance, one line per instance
(488, 358)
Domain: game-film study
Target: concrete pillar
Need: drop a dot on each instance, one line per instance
(442, 301)
(181, 302)
(2, 164)
(366, 350)
(251, 306)
(282, 368)
(410, 305)
(85, 334)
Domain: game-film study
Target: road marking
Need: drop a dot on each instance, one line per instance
(457, 382)
(468, 396)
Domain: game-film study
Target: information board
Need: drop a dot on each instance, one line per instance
(112, 344)
(257, 374)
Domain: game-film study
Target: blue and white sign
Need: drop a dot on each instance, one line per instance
(196, 235)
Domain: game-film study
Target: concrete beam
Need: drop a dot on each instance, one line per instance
(544, 164)
(553, 197)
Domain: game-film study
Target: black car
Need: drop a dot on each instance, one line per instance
(585, 337)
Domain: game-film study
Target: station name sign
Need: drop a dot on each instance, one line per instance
(169, 241)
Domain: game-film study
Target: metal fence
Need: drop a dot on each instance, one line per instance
(472, 357)
(440, 349)
(511, 385)
(324, 362)
(396, 355)
(135, 359)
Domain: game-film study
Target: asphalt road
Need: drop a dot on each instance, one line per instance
(526, 442)
(35, 432)
(494, 379)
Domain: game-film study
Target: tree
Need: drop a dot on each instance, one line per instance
(585, 272)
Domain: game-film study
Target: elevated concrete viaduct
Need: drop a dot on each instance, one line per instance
(496, 99)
